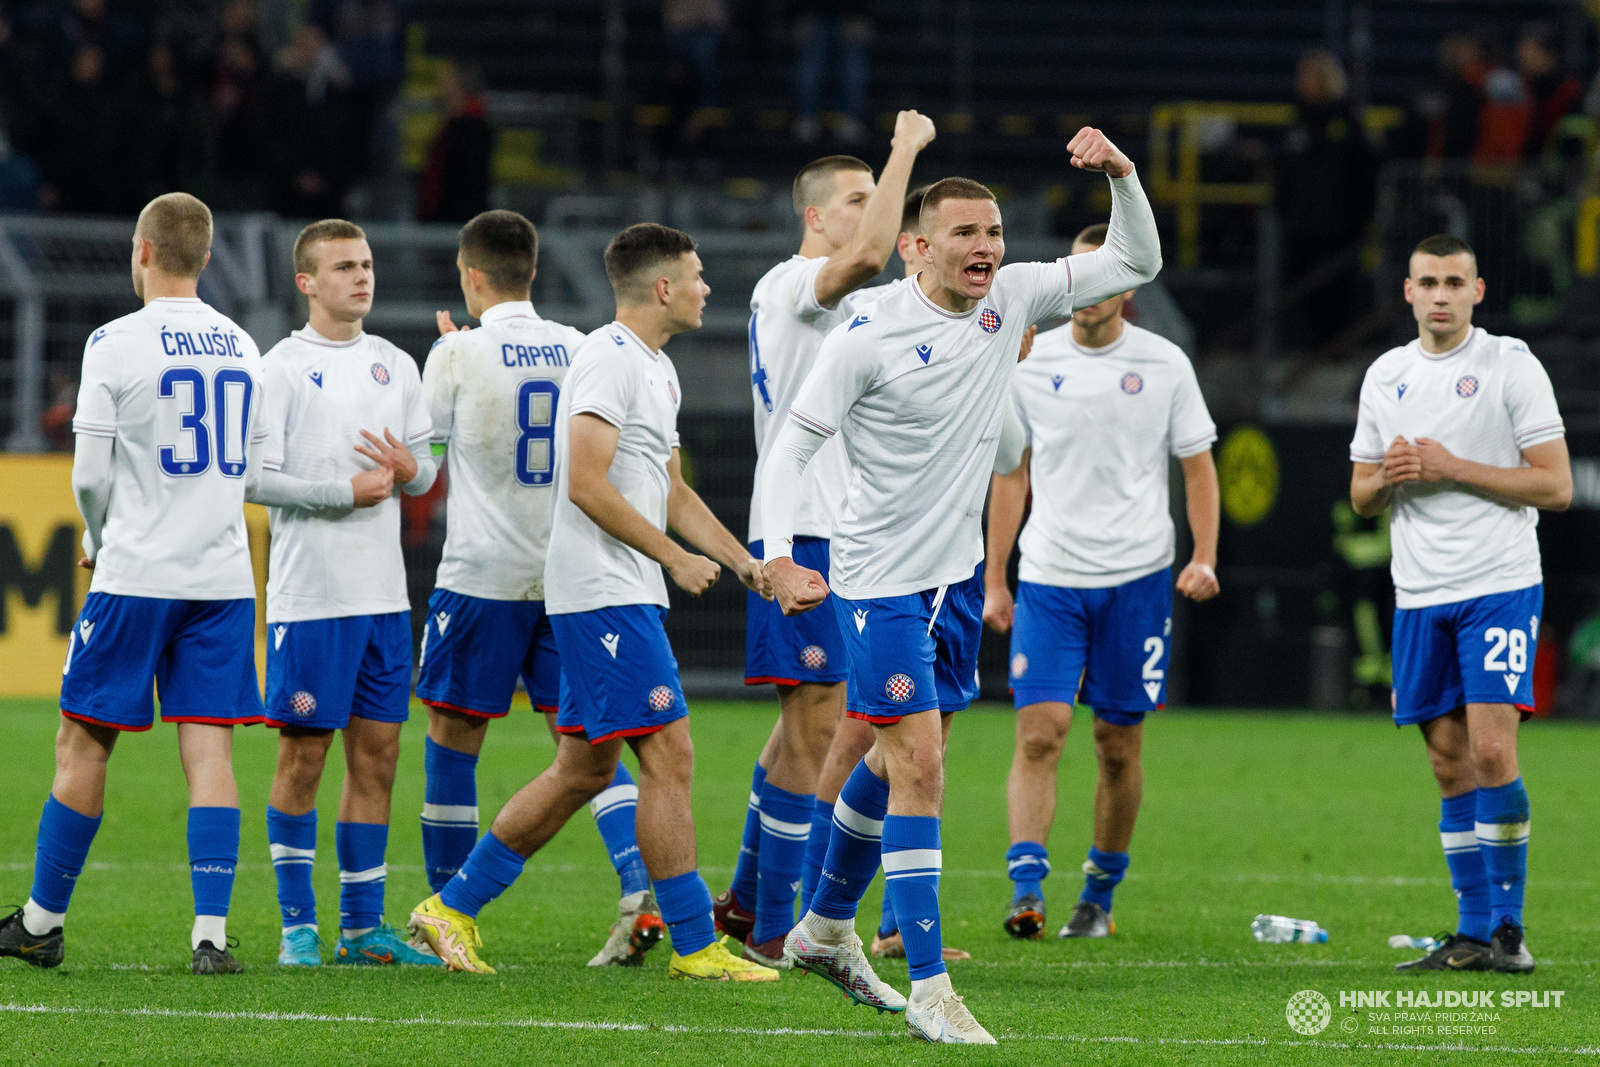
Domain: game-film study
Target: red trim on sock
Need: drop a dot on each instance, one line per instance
(109, 725)
(764, 680)
(467, 711)
(254, 720)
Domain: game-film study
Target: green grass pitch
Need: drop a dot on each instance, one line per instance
(1318, 817)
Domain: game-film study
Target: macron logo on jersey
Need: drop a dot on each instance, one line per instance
(1400, 391)
(316, 378)
(611, 641)
(85, 628)
(442, 620)
(99, 335)
(1056, 380)
(278, 633)
(857, 321)
(861, 621)
(925, 351)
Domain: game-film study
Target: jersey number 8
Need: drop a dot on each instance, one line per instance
(230, 392)
(536, 420)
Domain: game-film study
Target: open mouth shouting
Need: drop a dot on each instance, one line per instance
(979, 273)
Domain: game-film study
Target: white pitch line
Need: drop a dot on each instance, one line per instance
(751, 1031)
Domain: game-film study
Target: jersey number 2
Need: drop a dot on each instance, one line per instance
(536, 420)
(230, 392)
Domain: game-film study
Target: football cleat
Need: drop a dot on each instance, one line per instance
(209, 959)
(300, 947)
(943, 1018)
(1089, 920)
(1509, 951)
(1455, 952)
(1025, 920)
(893, 947)
(715, 963)
(452, 936)
(382, 945)
(768, 953)
(731, 919)
(844, 965)
(40, 950)
(635, 933)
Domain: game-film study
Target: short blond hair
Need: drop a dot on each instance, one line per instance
(305, 246)
(178, 227)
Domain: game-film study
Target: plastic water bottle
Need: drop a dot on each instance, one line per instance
(1280, 929)
(1426, 944)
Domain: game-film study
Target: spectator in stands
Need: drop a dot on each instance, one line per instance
(455, 182)
(691, 84)
(64, 29)
(1555, 93)
(238, 92)
(172, 132)
(1506, 109)
(370, 39)
(823, 28)
(1326, 182)
(19, 178)
(81, 168)
(307, 123)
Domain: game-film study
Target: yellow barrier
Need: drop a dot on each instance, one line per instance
(1586, 239)
(41, 583)
(1184, 188)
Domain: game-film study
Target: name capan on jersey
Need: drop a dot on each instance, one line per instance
(331, 563)
(1485, 400)
(178, 386)
(494, 394)
(1101, 423)
(617, 377)
(787, 328)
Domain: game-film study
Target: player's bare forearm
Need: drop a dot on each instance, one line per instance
(1204, 505)
(592, 445)
(1008, 495)
(1545, 483)
(1369, 491)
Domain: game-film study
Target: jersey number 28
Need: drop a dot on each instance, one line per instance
(229, 393)
(536, 422)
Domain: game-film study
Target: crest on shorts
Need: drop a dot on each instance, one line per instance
(813, 657)
(380, 374)
(1132, 383)
(1466, 386)
(661, 698)
(303, 704)
(989, 321)
(899, 688)
(1019, 665)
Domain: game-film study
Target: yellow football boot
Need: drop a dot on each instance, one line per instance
(453, 936)
(716, 963)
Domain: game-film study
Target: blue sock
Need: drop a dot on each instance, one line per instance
(362, 872)
(816, 852)
(613, 812)
(489, 871)
(855, 844)
(293, 841)
(785, 832)
(1027, 862)
(1502, 828)
(64, 839)
(887, 924)
(686, 909)
(449, 810)
(1467, 875)
(746, 871)
(911, 864)
(1101, 875)
(213, 855)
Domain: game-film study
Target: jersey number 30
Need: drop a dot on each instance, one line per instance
(229, 396)
(536, 422)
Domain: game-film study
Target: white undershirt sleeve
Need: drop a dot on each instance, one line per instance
(1131, 255)
(278, 490)
(786, 462)
(1013, 441)
(91, 486)
(427, 469)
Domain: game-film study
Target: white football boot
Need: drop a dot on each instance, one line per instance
(830, 949)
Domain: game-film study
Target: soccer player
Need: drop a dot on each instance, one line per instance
(1458, 433)
(1104, 404)
(338, 620)
(494, 393)
(919, 385)
(168, 433)
(850, 228)
(619, 488)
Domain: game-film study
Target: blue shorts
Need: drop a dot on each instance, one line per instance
(622, 673)
(321, 672)
(473, 649)
(201, 653)
(792, 649)
(1477, 651)
(917, 652)
(1107, 647)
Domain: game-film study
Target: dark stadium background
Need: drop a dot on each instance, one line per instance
(1295, 152)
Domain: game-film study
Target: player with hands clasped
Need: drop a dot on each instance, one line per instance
(919, 386)
(346, 426)
(1458, 433)
(619, 488)
(1104, 404)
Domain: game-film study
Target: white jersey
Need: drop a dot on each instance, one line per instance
(327, 563)
(1101, 423)
(787, 327)
(177, 385)
(1485, 400)
(494, 393)
(617, 377)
